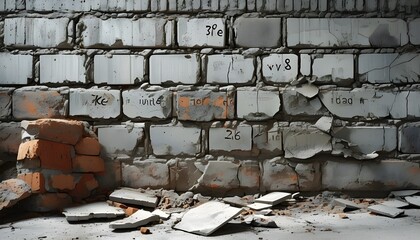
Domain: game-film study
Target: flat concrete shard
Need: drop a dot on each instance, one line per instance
(140, 218)
(404, 193)
(131, 196)
(347, 204)
(274, 198)
(93, 210)
(395, 203)
(259, 206)
(207, 218)
(413, 200)
(385, 210)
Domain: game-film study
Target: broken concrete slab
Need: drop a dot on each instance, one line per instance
(12, 191)
(347, 204)
(207, 218)
(92, 210)
(385, 210)
(413, 200)
(259, 206)
(395, 203)
(131, 196)
(140, 218)
(274, 198)
(162, 215)
(404, 193)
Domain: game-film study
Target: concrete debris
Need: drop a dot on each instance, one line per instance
(324, 124)
(263, 221)
(235, 201)
(350, 205)
(395, 203)
(274, 198)
(413, 200)
(140, 218)
(131, 196)
(12, 191)
(385, 210)
(308, 90)
(259, 206)
(404, 193)
(207, 218)
(162, 215)
(92, 210)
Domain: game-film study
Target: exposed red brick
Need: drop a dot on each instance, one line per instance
(52, 155)
(35, 180)
(84, 187)
(88, 146)
(57, 130)
(63, 182)
(85, 163)
(130, 211)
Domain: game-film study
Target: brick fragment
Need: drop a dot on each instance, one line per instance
(35, 180)
(57, 130)
(86, 163)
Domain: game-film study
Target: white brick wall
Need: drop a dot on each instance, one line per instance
(15, 69)
(119, 69)
(62, 69)
(174, 68)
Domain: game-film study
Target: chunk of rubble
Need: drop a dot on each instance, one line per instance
(162, 215)
(385, 210)
(263, 221)
(404, 193)
(274, 198)
(12, 191)
(92, 210)
(395, 204)
(235, 201)
(347, 204)
(131, 196)
(413, 200)
(259, 206)
(207, 218)
(324, 124)
(308, 90)
(138, 219)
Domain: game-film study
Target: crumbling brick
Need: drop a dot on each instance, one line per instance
(88, 146)
(85, 163)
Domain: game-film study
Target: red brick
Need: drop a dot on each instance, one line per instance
(63, 182)
(85, 163)
(87, 183)
(56, 130)
(35, 180)
(52, 155)
(88, 146)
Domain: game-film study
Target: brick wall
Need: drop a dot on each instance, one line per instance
(224, 96)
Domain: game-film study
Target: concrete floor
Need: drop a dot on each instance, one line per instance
(314, 225)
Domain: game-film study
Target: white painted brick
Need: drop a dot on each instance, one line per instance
(15, 69)
(280, 6)
(314, 5)
(302, 141)
(196, 5)
(154, 6)
(40, 102)
(250, 5)
(174, 68)
(386, 175)
(220, 175)
(95, 103)
(366, 139)
(172, 5)
(175, 140)
(249, 174)
(223, 5)
(62, 68)
(184, 5)
(350, 5)
(339, 5)
(23, 32)
(270, 5)
(205, 4)
(305, 64)
(323, 5)
(6, 102)
(257, 104)
(365, 102)
(297, 4)
(371, 6)
(288, 5)
(296, 104)
(121, 140)
(280, 68)
(201, 32)
(163, 5)
(413, 103)
(305, 4)
(389, 68)
(230, 69)
(119, 69)
(414, 31)
(409, 137)
(346, 32)
(268, 140)
(230, 139)
(242, 5)
(214, 5)
(205, 105)
(138, 103)
(333, 67)
(277, 175)
(69, 5)
(257, 32)
(149, 173)
(122, 32)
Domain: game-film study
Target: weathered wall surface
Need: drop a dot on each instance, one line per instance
(224, 96)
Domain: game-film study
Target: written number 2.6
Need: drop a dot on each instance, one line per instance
(212, 30)
(233, 135)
